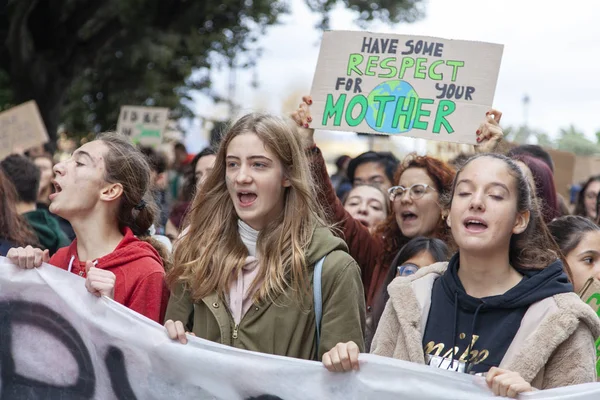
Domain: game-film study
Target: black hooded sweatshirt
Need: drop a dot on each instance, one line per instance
(483, 328)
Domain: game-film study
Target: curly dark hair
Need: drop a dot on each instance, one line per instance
(442, 176)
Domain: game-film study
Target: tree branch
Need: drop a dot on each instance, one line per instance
(169, 12)
(82, 15)
(19, 41)
(86, 51)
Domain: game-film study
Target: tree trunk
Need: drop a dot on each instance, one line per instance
(44, 71)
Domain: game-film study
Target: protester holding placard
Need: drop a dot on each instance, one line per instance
(13, 227)
(103, 190)
(421, 181)
(506, 273)
(243, 270)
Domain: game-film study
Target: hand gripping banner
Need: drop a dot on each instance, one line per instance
(57, 341)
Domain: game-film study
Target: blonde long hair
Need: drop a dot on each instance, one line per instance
(211, 253)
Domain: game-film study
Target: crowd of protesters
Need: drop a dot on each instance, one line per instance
(473, 266)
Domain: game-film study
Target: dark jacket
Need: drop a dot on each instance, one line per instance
(457, 320)
(553, 347)
(5, 246)
(47, 230)
(63, 223)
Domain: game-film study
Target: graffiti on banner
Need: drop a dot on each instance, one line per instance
(58, 341)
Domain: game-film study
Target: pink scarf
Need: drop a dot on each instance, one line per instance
(240, 296)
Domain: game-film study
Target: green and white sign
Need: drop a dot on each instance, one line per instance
(591, 295)
(143, 125)
(425, 87)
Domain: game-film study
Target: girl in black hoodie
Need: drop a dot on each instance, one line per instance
(502, 307)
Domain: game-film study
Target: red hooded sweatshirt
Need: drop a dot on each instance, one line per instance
(139, 273)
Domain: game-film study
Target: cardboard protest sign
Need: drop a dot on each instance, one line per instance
(417, 86)
(61, 342)
(144, 125)
(564, 170)
(21, 127)
(591, 295)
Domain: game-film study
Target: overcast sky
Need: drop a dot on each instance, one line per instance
(551, 54)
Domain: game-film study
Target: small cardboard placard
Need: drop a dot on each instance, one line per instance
(143, 125)
(417, 86)
(21, 127)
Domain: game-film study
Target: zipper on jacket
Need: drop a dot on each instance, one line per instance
(235, 331)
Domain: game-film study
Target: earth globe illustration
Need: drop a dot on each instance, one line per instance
(399, 89)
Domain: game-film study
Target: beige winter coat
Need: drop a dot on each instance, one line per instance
(553, 347)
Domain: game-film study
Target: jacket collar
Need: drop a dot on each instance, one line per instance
(410, 298)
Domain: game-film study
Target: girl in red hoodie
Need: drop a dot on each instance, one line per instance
(103, 191)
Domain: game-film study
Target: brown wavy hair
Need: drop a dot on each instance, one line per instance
(211, 252)
(13, 226)
(442, 176)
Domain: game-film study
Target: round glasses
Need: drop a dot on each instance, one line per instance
(415, 192)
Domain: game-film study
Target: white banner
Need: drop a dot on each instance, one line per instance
(60, 342)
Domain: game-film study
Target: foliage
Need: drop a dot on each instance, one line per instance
(569, 139)
(82, 59)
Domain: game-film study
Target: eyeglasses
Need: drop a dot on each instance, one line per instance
(407, 269)
(591, 195)
(416, 191)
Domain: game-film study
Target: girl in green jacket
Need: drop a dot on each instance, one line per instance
(243, 269)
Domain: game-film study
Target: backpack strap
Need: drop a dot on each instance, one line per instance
(318, 298)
